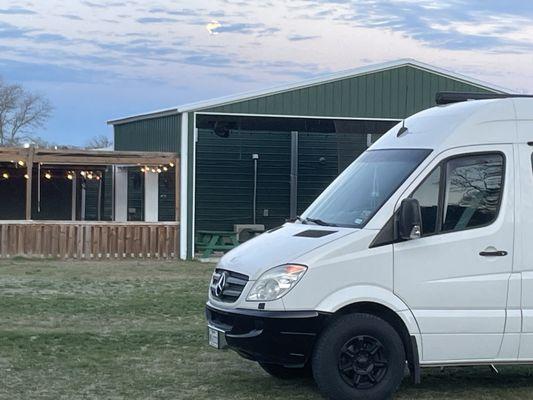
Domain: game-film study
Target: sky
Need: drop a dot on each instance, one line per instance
(100, 60)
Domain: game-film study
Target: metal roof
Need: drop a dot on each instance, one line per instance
(369, 69)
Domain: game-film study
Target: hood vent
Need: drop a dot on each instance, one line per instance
(314, 233)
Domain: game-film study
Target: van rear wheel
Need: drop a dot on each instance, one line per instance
(281, 372)
(359, 356)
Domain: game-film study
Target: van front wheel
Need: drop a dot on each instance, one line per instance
(359, 356)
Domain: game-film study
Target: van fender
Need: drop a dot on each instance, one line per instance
(372, 294)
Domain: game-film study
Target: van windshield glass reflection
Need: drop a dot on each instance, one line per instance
(360, 191)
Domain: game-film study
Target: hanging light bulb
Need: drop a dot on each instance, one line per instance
(26, 176)
(153, 170)
(5, 175)
(165, 169)
(48, 175)
(171, 165)
(83, 173)
(70, 176)
(143, 169)
(90, 175)
(21, 163)
(158, 170)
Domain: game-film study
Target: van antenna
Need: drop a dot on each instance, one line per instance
(403, 129)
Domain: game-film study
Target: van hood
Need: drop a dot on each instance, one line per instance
(279, 246)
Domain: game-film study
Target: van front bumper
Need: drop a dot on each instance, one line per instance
(272, 337)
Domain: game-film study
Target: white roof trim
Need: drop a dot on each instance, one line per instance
(197, 106)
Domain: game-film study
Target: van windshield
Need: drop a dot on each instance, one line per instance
(360, 191)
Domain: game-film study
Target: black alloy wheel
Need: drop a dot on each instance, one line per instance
(363, 362)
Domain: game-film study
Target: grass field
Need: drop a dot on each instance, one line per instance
(136, 330)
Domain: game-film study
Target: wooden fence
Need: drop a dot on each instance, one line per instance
(89, 240)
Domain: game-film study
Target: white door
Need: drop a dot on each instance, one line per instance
(524, 247)
(455, 277)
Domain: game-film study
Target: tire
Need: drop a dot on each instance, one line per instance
(281, 372)
(359, 357)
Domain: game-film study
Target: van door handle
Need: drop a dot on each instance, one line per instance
(497, 253)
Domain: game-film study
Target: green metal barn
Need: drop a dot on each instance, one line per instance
(262, 157)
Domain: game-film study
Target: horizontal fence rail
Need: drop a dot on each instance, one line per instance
(89, 240)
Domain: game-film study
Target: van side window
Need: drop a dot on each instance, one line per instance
(473, 191)
(427, 195)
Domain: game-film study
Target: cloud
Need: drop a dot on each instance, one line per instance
(8, 31)
(22, 71)
(450, 25)
(50, 37)
(298, 38)
(106, 5)
(72, 17)
(215, 27)
(17, 11)
(155, 20)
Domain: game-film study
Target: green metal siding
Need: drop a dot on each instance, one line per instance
(225, 179)
(395, 93)
(155, 134)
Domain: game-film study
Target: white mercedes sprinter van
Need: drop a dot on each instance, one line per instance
(416, 255)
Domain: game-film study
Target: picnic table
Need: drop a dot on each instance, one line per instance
(210, 241)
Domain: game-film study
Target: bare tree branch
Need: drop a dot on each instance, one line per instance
(21, 113)
(99, 142)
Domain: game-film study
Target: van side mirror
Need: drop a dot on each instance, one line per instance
(410, 220)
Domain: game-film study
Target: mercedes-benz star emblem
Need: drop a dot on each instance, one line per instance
(221, 284)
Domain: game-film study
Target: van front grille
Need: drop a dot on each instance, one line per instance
(227, 286)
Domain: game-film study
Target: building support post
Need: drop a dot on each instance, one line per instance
(151, 196)
(74, 196)
(294, 175)
(29, 172)
(121, 194)
(184, 163)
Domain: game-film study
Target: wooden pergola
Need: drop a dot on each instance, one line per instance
(74, 157)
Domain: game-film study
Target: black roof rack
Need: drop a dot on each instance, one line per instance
(457, 97)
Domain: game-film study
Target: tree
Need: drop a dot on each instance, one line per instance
(21, 112)
(99, 142)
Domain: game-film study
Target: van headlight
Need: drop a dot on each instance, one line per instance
(276, 282)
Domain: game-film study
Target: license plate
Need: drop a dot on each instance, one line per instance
(216, 338)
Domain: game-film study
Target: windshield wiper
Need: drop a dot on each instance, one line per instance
(298, 218)
(319, 222)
